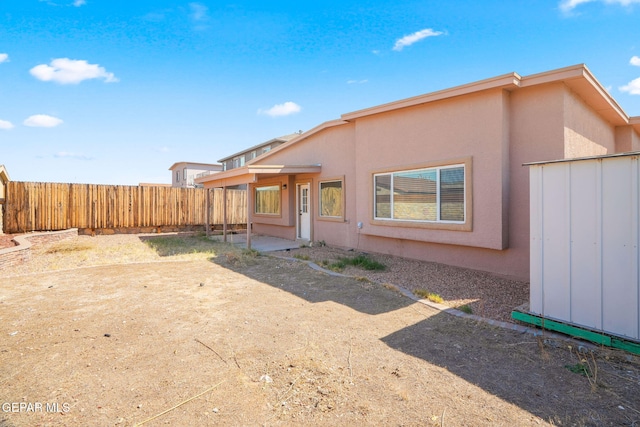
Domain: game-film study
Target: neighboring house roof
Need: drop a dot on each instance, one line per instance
(285, 138)
(196, 165)
(4, 175)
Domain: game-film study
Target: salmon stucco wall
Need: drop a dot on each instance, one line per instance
(585, 132)
(432, 134)
(627, 139)
(333, 148)
(492, 131)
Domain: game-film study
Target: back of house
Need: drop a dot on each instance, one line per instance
(437, 177)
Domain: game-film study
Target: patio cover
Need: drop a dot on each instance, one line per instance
(246, 175)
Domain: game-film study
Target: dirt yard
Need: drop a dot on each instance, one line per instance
(6, 241)
(127, 330)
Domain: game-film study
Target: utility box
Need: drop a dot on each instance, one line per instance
(584, 243)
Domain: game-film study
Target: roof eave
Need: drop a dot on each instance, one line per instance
(506, 81)
(248, 174)
(582, 81)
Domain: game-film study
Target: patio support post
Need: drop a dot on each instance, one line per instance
(208, 214)
(224, 214)
(249, 209)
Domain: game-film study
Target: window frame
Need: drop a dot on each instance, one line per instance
(255, 200)
(339, 218)
(465, 225)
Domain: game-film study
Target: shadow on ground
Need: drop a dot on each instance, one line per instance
(518, 368)
(182, 244)
(528, 371)
(300, 280)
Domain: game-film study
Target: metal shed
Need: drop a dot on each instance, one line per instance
(584, 243)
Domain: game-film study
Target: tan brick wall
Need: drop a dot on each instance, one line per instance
(21, 253)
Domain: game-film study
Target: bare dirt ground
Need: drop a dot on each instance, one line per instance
(6, 241)
(127, 330)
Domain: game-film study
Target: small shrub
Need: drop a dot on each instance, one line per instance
(364, 262)
(579, 368)
(337, 266)
(252, 253)
(302, 257)
(68, 247)
(429, 295)
(391, 287)
(465, 309)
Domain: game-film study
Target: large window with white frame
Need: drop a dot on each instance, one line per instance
(430, 195)
(331, 196)
(267, 200)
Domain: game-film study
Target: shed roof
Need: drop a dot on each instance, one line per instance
(578, 159)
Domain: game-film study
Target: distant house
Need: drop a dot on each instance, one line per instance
(183, 174)
(241, 158)
(436, 177)
(4, 178)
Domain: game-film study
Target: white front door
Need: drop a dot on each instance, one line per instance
(304, 214)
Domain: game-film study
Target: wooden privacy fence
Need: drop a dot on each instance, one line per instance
(37, 206)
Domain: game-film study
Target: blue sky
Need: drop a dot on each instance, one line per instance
(110, 92)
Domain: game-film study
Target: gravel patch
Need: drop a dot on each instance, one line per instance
(487, 295)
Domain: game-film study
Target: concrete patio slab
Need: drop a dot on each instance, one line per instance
(262, 243)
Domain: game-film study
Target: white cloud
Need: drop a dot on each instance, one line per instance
(633, 88)
(635, 60)
(78, 3)
(71, 71)
(6, 125)
(77, 156)
(415, 37)
(568, 5)
(4, 57)
(199, 12)
(353, 82)
(281, 109)
(42, 121)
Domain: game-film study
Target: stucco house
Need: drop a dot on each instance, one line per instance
(436, 177)
(241, 158)
(183, 174)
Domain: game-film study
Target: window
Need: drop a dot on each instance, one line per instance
(184, 174)
(177, 176)
(266, 149)
(423, 195)
(252, 155)
(241, 161)
(268, 200)
(331, 198)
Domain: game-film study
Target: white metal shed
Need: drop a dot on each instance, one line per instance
(584, 242)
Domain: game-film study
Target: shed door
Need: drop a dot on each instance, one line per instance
(304, 213)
